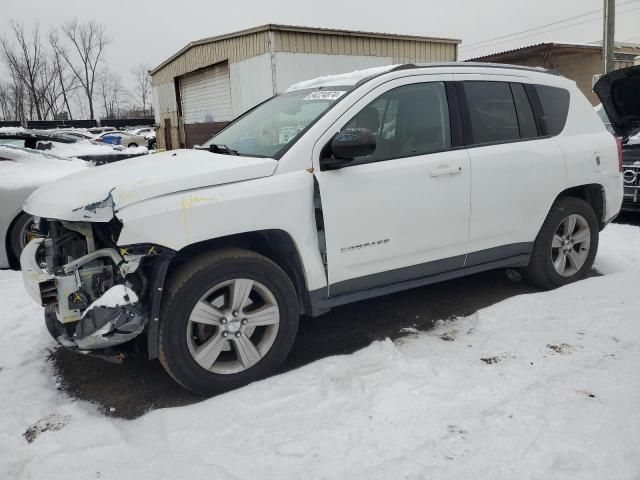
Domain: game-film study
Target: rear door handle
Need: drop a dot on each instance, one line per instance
(438, 172)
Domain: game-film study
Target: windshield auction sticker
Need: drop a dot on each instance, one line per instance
(325, 95)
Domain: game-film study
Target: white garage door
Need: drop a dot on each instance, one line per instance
(206, 95)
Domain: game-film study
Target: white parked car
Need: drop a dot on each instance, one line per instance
(126, 139)
(338, 190)
(22, 170)
(143, 131)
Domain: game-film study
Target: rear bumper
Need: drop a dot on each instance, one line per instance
(631, 200)
(613, 194)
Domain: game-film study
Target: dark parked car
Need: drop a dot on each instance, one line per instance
(631, 177)
(617, 104)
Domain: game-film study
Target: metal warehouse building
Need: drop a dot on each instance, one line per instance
(211, 81)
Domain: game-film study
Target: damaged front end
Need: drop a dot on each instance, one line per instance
(96, 294)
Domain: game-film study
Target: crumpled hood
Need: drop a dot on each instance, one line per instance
(97, 193)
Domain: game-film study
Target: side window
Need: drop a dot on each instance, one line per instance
(407, 121)
(492, 112)
(555, 107)
(526, 120)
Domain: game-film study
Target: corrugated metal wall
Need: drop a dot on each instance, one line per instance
(242, 47)
(200, 56)
(401, 50)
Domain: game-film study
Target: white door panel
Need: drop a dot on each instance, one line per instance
(393, 214)
(514, 183)
(513, 187)
(397, 219)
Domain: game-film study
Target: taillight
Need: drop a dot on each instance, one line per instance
(619, 144)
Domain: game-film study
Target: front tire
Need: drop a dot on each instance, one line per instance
(228, 318)
(566, 246)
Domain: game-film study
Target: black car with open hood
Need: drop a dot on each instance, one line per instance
(619, 92)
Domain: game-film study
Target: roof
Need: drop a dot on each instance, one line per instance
(358, 76)
(540, 47)
(342, 79)
(293, 28)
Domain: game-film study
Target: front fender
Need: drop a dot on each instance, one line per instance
(280, 202)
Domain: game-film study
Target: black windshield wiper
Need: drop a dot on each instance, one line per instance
(223, 149)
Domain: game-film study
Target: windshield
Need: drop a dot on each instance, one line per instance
(273, 126)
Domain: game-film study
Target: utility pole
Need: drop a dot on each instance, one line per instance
(608, 41)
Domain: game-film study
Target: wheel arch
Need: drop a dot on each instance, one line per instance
(592, 193)
(275, 244)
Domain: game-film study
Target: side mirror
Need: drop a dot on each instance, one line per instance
(347, 145)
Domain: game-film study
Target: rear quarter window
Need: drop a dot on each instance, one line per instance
(555, 107)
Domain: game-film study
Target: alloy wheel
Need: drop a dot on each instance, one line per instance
(571, 245)
(233, 326)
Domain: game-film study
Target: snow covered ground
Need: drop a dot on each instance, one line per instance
(541, 386)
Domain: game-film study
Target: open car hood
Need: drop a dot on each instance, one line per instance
(619, 92)
(96, 194)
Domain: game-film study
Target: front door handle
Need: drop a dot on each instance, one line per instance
(440, 171)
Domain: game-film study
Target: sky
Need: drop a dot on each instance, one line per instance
(149, 32)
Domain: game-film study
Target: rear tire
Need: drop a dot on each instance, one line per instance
(228, 318)
(566, 245)
(131, 145)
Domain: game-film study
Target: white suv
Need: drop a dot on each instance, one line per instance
(340, 189)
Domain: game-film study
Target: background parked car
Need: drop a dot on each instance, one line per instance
(144, 131)
(64, 145)
(151, 141)
(22, 170)
(630, 165)
(79, 133)
(125, 139)
(99, 130)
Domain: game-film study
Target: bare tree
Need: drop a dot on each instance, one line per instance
(6, 104)
(26, 62)
(87, 42)
(112, 93)
(142, 86)
(68, 84)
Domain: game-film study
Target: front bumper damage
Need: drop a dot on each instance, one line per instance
(89, 302)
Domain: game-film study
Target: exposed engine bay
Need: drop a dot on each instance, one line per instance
(95, 293)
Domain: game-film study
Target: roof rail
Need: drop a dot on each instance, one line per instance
(409, 66)
(475, 64)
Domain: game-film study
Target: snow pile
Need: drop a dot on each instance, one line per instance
(341, 79)
(116, 296)
(538, 386)
(31, 168)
